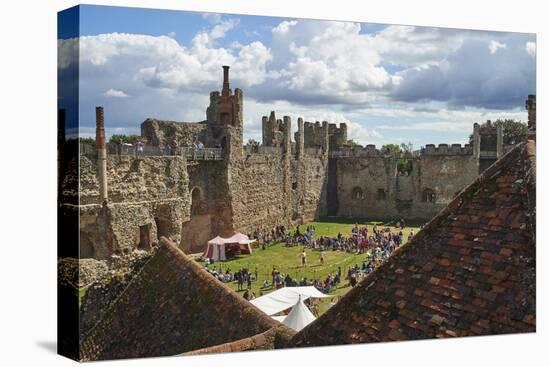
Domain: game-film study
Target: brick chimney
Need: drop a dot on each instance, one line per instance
(225, 90)
(101, 154)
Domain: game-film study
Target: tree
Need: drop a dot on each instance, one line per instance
(121, 138)
(394, 148)
(406, 147)
(404, 165)
(88, 140)
(253, 143)
(353, 143)
(513, 131)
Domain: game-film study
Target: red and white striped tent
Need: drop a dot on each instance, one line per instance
(217, 246)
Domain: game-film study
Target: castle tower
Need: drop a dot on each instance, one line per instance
(225, 108)
(101, 154)
(286, 135)
(299, 137)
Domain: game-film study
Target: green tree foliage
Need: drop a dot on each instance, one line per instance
(394, 148)
(88, 141)
(120, 138)
(513, 131)
(353, 143)
(404, 164)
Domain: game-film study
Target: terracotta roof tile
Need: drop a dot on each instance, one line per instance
(173, 306)
(470, 271)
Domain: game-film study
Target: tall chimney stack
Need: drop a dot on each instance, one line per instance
(101, 154)
(225, 89)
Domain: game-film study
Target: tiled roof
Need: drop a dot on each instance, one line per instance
(271, 339)
(171, 307)
(469, 271)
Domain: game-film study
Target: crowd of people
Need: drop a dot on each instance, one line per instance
(376, 245)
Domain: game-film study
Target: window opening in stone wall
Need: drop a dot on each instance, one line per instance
(144, 237)
(357, 193)
(428, 196)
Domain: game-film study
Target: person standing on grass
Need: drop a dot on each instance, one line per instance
(303, 257)
(322, 257)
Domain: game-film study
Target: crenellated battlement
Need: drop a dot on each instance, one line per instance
(313, 138)
(370, 150)
(338, 135)
(446, 149)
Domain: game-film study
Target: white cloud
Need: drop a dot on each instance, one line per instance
(115, 93)
(213, 18)
(473, 76)
(165, 79)
(317, 70)
(531, 48)
(458, 121)
(324, 62)
(222, 28)
(284, 27)
(494, 46)
(160, 62)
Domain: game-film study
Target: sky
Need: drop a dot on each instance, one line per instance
(389, 83)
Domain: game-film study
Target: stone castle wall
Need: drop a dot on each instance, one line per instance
(282, 182)
(148, 198)
(194, 201)
(276, 189)
(370, 187)
(211, 213)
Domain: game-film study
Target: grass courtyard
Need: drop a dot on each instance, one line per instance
(287, 259)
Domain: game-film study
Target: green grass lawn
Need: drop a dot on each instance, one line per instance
(287, 259)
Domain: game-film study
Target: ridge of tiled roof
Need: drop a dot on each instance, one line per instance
(273, 338)
(170, 307)
(469, 271)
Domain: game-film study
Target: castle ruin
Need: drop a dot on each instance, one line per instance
(190, 194)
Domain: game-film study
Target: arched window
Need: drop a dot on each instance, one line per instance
(428, 196)
(381, 194)
(357, 193)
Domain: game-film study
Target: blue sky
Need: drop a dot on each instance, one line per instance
(390, 83)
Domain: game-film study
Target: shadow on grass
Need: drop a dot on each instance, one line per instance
(370, 221)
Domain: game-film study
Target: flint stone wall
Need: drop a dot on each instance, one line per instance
(274, 189)
(143, 191)
(403, 195)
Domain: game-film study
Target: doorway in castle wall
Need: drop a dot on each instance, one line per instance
(197, 231)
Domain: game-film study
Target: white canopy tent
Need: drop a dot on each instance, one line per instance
(299, 317)
(285, 298)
